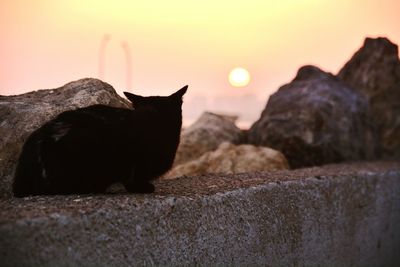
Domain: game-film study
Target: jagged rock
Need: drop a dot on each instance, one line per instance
(374, 70)
(206, 134)
(316, 119)
(21, 114)
(229, 158)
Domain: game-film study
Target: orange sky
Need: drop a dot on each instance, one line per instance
(47, 43)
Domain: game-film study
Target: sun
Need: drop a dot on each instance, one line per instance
(239, 77)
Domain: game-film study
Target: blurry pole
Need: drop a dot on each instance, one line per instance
(102, 51)
(127, 51)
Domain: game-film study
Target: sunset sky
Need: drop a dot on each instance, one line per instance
(46, 43)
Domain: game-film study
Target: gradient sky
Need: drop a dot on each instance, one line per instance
(47, 43)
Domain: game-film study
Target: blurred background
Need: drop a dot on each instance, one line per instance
(156, 47)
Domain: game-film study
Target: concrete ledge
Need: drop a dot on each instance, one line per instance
(337, 215)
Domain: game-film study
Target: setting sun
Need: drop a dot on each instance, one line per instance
(239, 77)
(151, 47)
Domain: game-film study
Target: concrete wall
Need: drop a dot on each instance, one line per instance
(342, 215)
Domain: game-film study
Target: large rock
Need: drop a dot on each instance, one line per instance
(206, 134)
(374, 70)
(230, 158)
(21, 114)
(316, 119)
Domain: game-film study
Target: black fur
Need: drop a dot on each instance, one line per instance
(87, 149)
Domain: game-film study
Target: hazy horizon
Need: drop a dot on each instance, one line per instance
(166, 45)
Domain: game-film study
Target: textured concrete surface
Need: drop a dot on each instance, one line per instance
(336, 215)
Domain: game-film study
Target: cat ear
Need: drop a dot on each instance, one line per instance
(135, 99)
(180, 92)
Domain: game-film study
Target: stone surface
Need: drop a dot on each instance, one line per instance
(206, 134)
(336, 215)
(22, 114)
(229, 158)
(316, 119)
(374, 70)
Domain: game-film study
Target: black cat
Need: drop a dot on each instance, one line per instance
(87, 149)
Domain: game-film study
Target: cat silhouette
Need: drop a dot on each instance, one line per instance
(86, 150)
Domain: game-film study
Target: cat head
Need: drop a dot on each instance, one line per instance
(158, 103)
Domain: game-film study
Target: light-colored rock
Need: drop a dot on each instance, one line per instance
(22, 114)
(206, 134)
(230, 158)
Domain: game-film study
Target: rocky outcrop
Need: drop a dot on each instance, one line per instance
(373, 68)
(316, 119)
(22, 114)
(206, 134)
(374, 71)
(230, 158)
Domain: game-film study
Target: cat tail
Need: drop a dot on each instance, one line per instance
(28, 174)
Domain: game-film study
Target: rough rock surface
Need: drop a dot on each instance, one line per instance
(374, 70)
(206, 134)
(316, 119)
(230, 158)
(22, 114)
